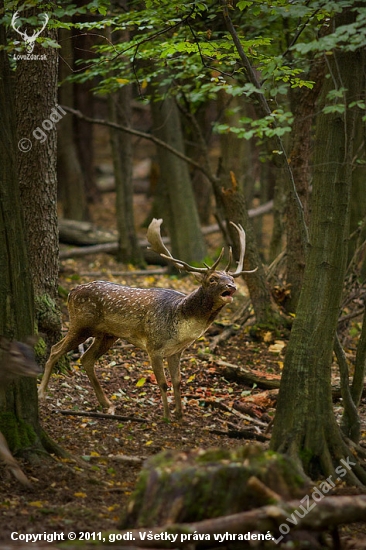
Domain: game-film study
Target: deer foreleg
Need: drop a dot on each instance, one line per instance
(174, 369)
(70, 342)
(100, 346)
(158, 368)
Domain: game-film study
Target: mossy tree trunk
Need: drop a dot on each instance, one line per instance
(18, 402)
(36, 97)
(305, 425)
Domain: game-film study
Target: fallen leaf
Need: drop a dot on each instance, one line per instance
(140, 382)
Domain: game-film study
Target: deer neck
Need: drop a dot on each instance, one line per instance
(201, 305)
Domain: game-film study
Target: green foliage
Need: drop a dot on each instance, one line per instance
(185, 48)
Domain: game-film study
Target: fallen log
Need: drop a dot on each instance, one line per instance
(83, 233)
(241, 375)
(328, 513)
(94, 241)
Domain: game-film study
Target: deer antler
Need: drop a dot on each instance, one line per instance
(154, 237)
(239, 270)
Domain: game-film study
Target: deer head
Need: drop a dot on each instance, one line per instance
(29, 40)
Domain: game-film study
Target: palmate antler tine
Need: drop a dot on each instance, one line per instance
(154, 237)
(239, 270)
(241, 234)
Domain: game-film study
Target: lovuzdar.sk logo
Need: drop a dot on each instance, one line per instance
(29, 40)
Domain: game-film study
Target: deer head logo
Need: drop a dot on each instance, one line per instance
(29, 40)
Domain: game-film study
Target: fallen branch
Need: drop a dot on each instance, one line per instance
(133, 460)
(236, 433)
(243, 376)
(241, 416)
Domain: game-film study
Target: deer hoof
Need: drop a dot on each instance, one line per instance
(111, 409)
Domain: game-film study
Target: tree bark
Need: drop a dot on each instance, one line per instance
(303, 102)
(36, 97)
(235, 209)
(18, 403)
(85, 101)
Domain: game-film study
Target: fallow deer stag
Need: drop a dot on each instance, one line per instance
(162, 322)
(16, 359)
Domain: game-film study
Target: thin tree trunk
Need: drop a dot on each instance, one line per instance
(84, 101)
(175, 194)
(71, 182)
(119, 105)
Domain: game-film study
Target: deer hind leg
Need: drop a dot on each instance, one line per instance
(10, 461)
(98, 348)
(158, 368)
(70, 342)
(174, 369)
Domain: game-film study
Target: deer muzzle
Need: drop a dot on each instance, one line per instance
(227, 294)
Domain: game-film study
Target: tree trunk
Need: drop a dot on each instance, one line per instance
(174, 192)
(305, 425)
(235, 209)
(36, 100)
(303, 102)
(358, 195)
(84, 101)
(120, 112)
(18, 403)
(71, 182)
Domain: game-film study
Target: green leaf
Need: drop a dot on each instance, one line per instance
(140, 382)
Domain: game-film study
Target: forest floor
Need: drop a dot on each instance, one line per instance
(90, 495)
